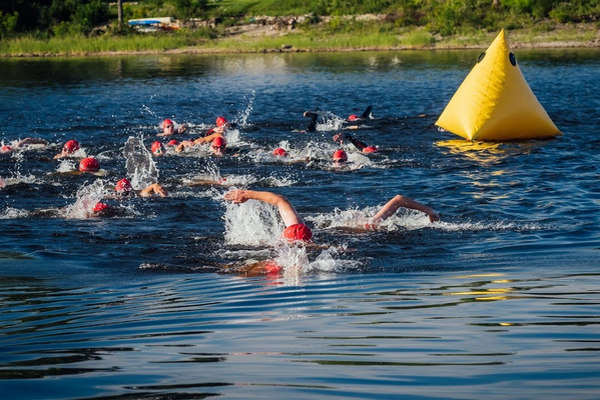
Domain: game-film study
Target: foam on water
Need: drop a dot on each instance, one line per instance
(140, 166)
(252, 223)
(87, 197)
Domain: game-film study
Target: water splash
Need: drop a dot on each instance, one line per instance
(140, 166)
(65, 165)
(357, 219)
(13, 213)
(331, 122)
(252, 223)
(87, 197)
(242, 117)
(148, 110)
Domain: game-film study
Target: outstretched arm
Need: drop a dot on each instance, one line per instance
(155, 188)
(209, 138)
(402, 201)
(286, 209)
(340, 137)
(30, 140)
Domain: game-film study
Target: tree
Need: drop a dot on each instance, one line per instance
(120, 11)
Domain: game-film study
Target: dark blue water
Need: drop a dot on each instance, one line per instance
(498, 300)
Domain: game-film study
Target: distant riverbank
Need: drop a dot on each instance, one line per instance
(261, 39)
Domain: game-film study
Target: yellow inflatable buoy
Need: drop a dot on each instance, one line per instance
(495, 103)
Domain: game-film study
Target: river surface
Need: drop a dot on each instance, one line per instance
(500, 299)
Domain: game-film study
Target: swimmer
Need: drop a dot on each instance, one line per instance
(169, 128)
(361, 146)
(221, 126)
(70, 147)
(295, 229)
(89, 165)
(280, 152)
(365, 115)
(217, 140)
(355, 120)
(312, 125)
(394, 204)
(22, 143)
(157, 148)
(123, 188)
(339, 158)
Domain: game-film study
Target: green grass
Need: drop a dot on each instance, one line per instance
(311, 38)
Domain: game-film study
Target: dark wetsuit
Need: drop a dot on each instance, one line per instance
(357, 143)
(366, 113)
(312, 126)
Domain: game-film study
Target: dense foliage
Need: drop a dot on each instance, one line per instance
(60, 17)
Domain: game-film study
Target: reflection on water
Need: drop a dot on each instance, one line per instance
(415, 330)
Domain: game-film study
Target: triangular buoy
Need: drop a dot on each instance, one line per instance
(495, 103)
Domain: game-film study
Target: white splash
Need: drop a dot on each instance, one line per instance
(242, 117)
(13, 213)
(87, 197)
(140, 166)
(251, 223)
(66, 165)
(357, 219)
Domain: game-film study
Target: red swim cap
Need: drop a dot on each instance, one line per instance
(271, 267)
(89, 164)
(173, 142)
(71, 146)
(369, 149)
(157, 147)
(340, 155)
(221, 121)
(352, 117)
(280, 152)
(297, 232)
(218, 142)
(100, 207)
(123, 186)
(6, 149)
(167, 122)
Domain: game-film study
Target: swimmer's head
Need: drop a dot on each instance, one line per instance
(157, 148)
(340, 156)
(172, 142)
(6, 149)
(168, 127)
(297, 232)
(369, 149)
(100, 207)
(280, 152)
(123, 186)
(71, 146)
(353, 117)
(89, 164)
(221, 121)
(218, 145)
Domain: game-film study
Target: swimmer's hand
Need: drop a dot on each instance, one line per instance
(433, 216)
(236, 196)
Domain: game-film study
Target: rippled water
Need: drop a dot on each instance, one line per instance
(498, 300)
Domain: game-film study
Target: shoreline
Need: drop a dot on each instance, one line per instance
(583, 36)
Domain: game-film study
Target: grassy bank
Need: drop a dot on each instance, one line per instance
(358, 37)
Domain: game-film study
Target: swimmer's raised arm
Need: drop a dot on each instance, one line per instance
(312, 126)
(286, 209)
(367, 112)
(155, 188)
(402, 201)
